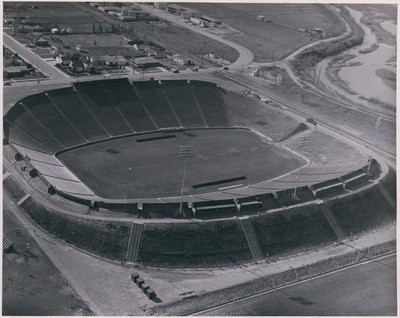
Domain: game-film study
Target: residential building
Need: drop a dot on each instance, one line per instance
(146, 62)
(210, 20)
(15, 71)
(182, 60)
(63, 60)
(77, 66)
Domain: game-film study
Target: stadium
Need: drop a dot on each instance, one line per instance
(155, 172)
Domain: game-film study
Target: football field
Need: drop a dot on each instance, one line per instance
(150, 166)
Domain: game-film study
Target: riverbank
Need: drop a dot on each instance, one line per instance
(369, 79)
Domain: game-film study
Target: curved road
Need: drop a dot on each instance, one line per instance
(245, 55)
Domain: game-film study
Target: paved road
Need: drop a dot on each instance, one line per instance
(32, 58)
(245, 55)
(366, 289)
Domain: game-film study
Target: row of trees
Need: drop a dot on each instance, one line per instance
(115, 28)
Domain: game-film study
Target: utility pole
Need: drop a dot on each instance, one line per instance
(184, 152)
(377, 124)
(303, 141)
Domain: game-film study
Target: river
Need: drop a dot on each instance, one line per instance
(362, 78)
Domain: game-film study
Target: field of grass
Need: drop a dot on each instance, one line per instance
(63, 14)
(154, 169)
(281, 35)
(329, 151)
(172, 37)
(248, 112)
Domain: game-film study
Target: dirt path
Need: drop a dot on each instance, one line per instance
(32, 285)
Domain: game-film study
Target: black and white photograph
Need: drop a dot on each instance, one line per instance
(199, 158)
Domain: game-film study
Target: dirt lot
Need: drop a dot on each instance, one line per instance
(63, 14)
(281, 35)
(31, 283)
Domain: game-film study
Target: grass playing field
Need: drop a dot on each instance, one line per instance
(125, 169)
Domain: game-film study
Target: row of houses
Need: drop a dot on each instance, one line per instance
(189, 14)
(125, 13)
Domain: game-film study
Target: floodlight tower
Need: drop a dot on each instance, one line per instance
(302, 141)
(377, 124)
(184, 152)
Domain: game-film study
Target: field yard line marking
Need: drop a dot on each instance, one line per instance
(231, 187)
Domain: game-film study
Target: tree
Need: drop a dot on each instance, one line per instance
(94, 28)
(100, 28)
(113, 29)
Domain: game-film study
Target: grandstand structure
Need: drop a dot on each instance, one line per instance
(42, 126)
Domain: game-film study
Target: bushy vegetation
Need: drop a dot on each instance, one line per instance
(195, 244)
(362, 212)
(303, 227)
(389, 184)
(310, 57)
(104, 238)
(13, 188)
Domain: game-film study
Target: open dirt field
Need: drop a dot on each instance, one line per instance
(63, 14)
(281, 35)
(31, 283)
(120, 168)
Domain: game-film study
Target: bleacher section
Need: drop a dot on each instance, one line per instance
(181, 97)
(69, 103)
(128, 103)
(328, 188)
(20, 138)
(218, 208)
(19, 117)
(362, 212)
(211, 104)
(95, 97)
(44, 112)
(249, 204)
(91, 111)
(153, 97)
